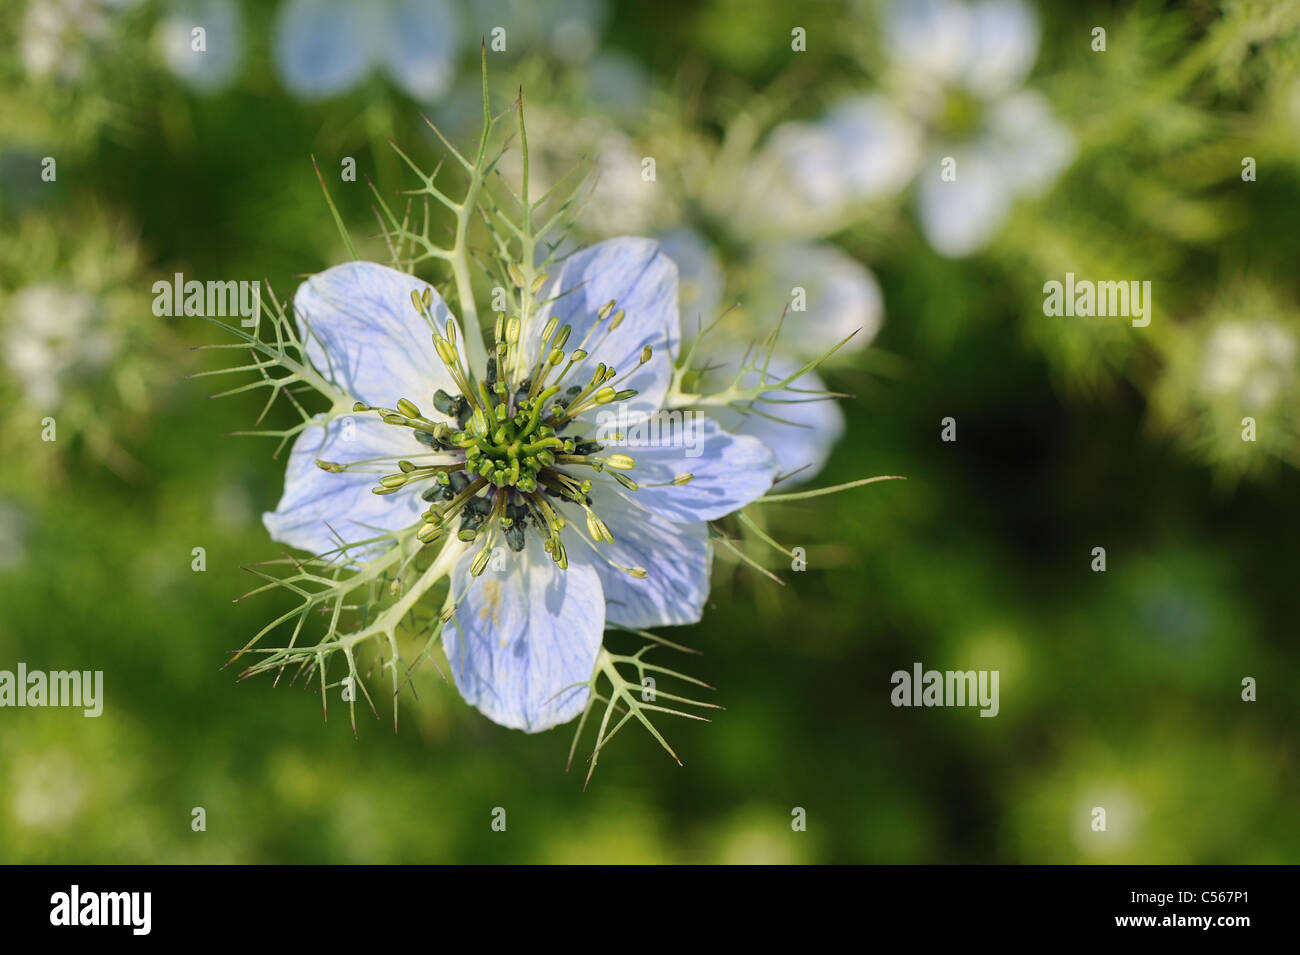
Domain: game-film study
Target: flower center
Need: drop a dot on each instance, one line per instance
(511, 450)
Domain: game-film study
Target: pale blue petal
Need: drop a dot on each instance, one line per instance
(729, 470)
(809, 426)
(674, 556)
(700, 279)
(315, 501)
(363, 332)
(841, 298)
(878, 146)
(643, 281)
(932, 37)
(212, 68)
(420, 47)
(524, 634)
(323, 47)
(1032, 148)
(1005, 46)
(960, 217)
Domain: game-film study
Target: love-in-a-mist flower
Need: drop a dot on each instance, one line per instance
(549, 524)
(953, 114)
(324, 48)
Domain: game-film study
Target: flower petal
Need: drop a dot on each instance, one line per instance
(525, 636)
(878, 146)
(322, 47)
(314, 501)
(961, 216)
(1005, 46)
(675, 558)
(1029, 142)
(728, 470)
(420, 47)
(808, 428)
(642, 280)
(842, 297)
(363, 332)
(700, 279)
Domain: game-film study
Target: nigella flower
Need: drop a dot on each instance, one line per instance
(214, 66)
(549, 525)
(953, 90)
(326, 47)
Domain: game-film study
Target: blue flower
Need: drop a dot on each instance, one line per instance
(326, 47)
(511, 469)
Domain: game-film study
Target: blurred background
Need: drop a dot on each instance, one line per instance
(794, 145)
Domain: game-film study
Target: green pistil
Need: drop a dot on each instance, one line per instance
(510, 460)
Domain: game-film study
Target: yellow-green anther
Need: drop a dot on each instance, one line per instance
(578, 354)
(393, 480)
(605, 310)
(450, 331)
(683, 479)
(467, 534)
(428, 532)
(617, 320)
(556, 356)
(415, 300)
(624, 480)
(444, 350)
(361, 406)
(549, 328)
(620, 461)
(406, 466)
(625, 394)
(333, 467)
(393, 418)
(646, 353)
(500, 327)
(384, 490)
(562, 336)
(408, 408)
(515, 275)
(480, 562)
(605, 395)
(539, 282)
(427, 296)
(637, 572)
(512, 330)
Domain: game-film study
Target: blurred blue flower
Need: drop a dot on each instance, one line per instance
(214, 66)
(324, 48)
(839, 297)
(952, 90)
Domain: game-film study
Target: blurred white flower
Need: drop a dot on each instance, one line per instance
(953, 90)
(326, 47)
(55, 34)
(212, 67)
(838, 295)
(53, 335)
(1253, 362)
(569, 29)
